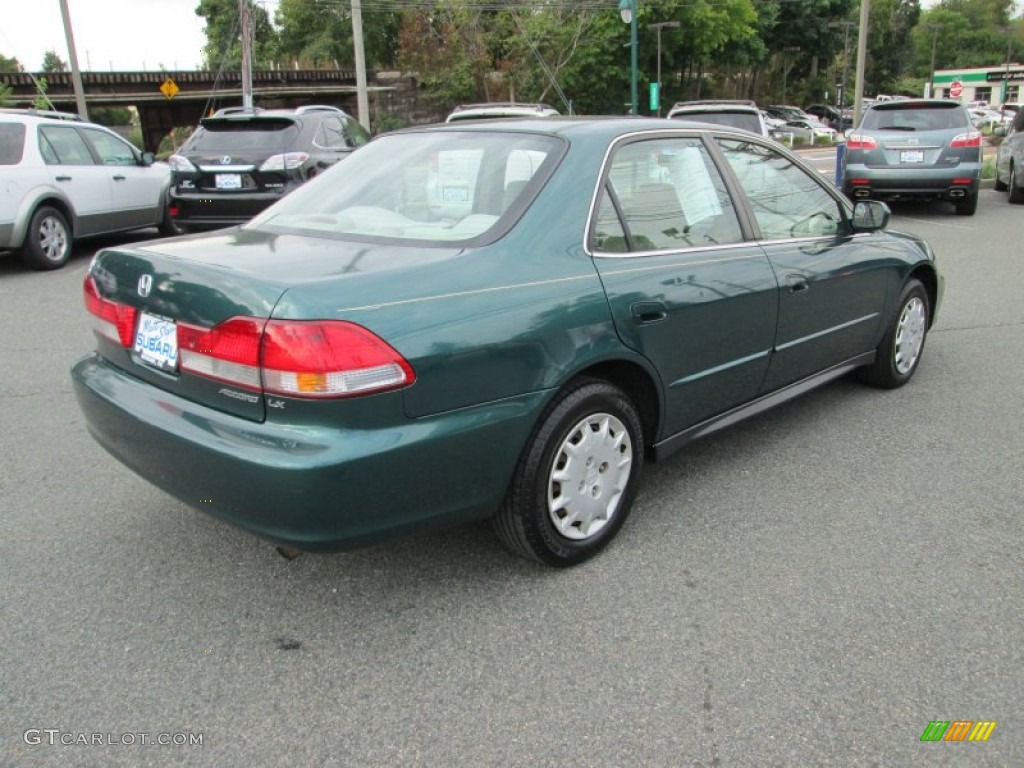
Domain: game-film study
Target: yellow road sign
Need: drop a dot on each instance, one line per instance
(169, 88)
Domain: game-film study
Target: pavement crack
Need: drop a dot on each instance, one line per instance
(977, 327)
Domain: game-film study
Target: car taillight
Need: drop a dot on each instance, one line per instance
(286, 162)
(228, 352)
(858, 141)
(329, 358)
(314, 358)
(969, 139)
(111, 319)
(181, 164)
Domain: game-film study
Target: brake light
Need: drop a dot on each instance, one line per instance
(859, 141)
(329, 358)
(181, 164)
(315, 358)
(969, 139)
(228, 352)
(286, 162)
(111, 320)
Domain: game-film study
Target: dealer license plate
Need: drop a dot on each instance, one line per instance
(156, 342)
(228, 181)
(912, 156)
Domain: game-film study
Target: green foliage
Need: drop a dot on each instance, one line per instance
(40, 101)
(111, 116)
(53, 63)
(5, 95)
(223, 35)
(9, 65)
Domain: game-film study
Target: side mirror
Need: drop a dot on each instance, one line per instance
(148, 158)
(870, 215)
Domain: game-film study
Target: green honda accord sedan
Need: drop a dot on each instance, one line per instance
(498, 320)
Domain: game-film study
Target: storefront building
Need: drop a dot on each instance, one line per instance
(1000, 84)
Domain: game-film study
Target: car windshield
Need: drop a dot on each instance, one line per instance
(920, 117)
(235, 135)
(429, 187)
(745, 120)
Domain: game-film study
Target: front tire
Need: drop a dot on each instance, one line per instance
(577, 477)
(48, 240)
(900, 352)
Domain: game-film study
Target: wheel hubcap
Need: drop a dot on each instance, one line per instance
(910, 335)
(589, 476)
(53, 239)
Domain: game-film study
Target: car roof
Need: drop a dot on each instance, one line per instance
(500, 109)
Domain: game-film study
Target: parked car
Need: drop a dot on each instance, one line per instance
(788, 112)
(831, 116)
(808, 131)
(494, 110)
(735, 113)
(356, 362)
(239, 161)
(65, 179)
(924, 148)
(1010, 159)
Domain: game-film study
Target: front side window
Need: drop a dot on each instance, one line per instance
(786, 200)
(669, 195)
(441, 187)
(112, 150)
(355, 134)
(63, 145)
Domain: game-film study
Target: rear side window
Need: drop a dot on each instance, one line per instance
(112, 150)
(12, 143)
(238, 135)
(919, 118)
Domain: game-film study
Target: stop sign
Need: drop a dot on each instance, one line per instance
(956, 89)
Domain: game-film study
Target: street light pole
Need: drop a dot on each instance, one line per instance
(659, 26)
(628, 12)
(931, 77)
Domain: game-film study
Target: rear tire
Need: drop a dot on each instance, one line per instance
(1016, 191)
(999, 186)
(900, 351)
(577, 477)
(48, 240)
(968, 205)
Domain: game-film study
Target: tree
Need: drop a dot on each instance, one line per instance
(9, 65)
(223, 35)
(320, 34)
(53, 63)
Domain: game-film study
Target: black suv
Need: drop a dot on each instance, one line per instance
(240, 161)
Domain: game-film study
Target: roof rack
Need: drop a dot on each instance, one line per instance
(713, 102)
(52, 114)
(491, 104)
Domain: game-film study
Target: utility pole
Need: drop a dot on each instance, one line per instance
(931, 77)
(362, 99)
(846, 58)
(862, 55)
(76, 76)
(659, 26)
(246, 24)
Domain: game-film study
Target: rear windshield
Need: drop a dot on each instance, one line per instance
(236, 135)
(12, 143)
(438, 187)
(930, 117)
(744, 120)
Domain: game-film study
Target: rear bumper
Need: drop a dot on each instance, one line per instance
(322, 488)
(213, 211)
(948, 183)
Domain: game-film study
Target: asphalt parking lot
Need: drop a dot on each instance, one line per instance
(810, 588)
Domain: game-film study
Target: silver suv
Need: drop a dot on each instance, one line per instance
(736, 114)
(1010, 160)
(65, 178)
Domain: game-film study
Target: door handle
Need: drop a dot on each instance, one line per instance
(797, 283)
(119, 177)
(647, 312)
(63, 178)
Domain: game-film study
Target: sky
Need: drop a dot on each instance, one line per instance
(109, 34)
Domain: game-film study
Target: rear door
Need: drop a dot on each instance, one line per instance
(686, 288)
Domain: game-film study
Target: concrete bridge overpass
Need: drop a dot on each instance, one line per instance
(162, 107)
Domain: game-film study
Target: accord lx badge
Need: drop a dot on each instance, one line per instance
(145, 285)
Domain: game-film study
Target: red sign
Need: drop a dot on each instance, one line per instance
(956, 89)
